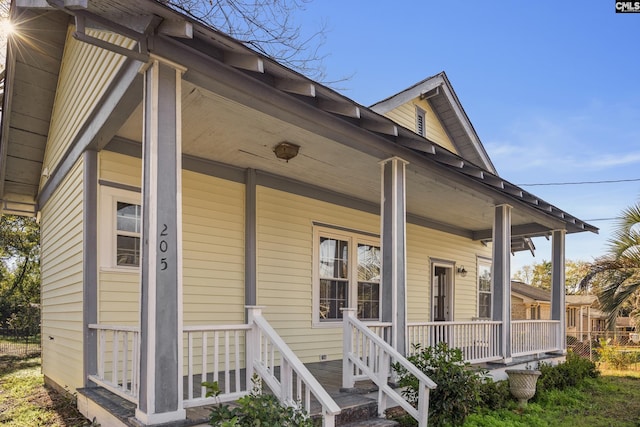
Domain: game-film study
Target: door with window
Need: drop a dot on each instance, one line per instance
(442, 293)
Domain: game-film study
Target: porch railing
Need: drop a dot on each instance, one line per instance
(534, 336)
(366, 352)
(478, 340)
(118, 360)
(215, 353)
(283, 372)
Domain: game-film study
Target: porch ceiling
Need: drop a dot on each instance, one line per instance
(218, 129)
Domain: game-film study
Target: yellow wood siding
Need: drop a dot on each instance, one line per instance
(213, 250)
(285, 252)
(285, 261)
(213, 247)
(85, 75)
(121, 169)
(61, 282)
(405, 115)
(424, 244)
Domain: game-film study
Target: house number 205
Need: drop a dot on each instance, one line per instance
(163, 246)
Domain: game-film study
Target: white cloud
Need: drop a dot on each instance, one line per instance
(595, 139)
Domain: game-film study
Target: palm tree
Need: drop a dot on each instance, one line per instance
(619, 270)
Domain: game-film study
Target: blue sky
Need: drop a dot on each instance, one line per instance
(552, 89)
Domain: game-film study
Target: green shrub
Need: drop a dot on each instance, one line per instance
(495, 394)
(615, 358)
(255, 410)
(459, 390)
(566, 374)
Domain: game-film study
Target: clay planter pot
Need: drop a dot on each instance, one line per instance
(522, 384)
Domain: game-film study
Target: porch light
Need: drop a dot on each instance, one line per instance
(286, 150)
(462, 271)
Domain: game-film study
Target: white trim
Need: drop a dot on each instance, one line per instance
(487, 262)
(152, 127)
(179, 272)
(161, 418)
(353, 238)
(107, 223)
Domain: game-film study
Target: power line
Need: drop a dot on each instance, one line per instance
(581, 182)
(601, 219)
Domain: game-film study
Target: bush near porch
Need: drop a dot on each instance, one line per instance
(463, 393)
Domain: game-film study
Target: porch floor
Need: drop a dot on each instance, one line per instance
(355, 404)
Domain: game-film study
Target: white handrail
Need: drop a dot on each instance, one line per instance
(367, 352)
(262, 348)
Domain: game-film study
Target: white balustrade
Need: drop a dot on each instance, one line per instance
(215, 353)
(478, 340)
(118, 360)
(534, 336)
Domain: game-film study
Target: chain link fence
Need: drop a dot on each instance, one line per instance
(610, 349)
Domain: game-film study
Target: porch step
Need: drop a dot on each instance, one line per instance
(377, 422)
(357, 410)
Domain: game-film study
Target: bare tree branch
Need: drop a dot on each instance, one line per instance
(269, 26)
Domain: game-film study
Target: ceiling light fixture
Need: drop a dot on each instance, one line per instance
(286, 150)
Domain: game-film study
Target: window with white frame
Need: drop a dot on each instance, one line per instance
(347, 269)
(535, 312)
(571, 317)
(484, 288)
(121, 226)
(128, 223)
(421, 126)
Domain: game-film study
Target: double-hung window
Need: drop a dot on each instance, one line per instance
(571, 317)
(128, 223)
(484, 288)
(120, 228)
(347, 274)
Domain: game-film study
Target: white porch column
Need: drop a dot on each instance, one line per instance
(160, 399)
(501, 276)
(394, 271)
(558, 306)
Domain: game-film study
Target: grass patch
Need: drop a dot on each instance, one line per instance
(602, 402)
(25, 401)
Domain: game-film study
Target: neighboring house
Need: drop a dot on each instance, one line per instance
(529, 302)
(180, 177)
(625, 324)
(584, 316)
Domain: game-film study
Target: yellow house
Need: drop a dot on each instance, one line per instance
(208, 213)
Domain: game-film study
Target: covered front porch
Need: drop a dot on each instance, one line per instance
(324, 389)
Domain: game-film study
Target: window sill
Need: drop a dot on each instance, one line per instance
(124, 270)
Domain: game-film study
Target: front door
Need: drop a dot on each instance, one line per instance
(441, 307)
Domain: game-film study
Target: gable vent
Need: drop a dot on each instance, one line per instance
(420, 125)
